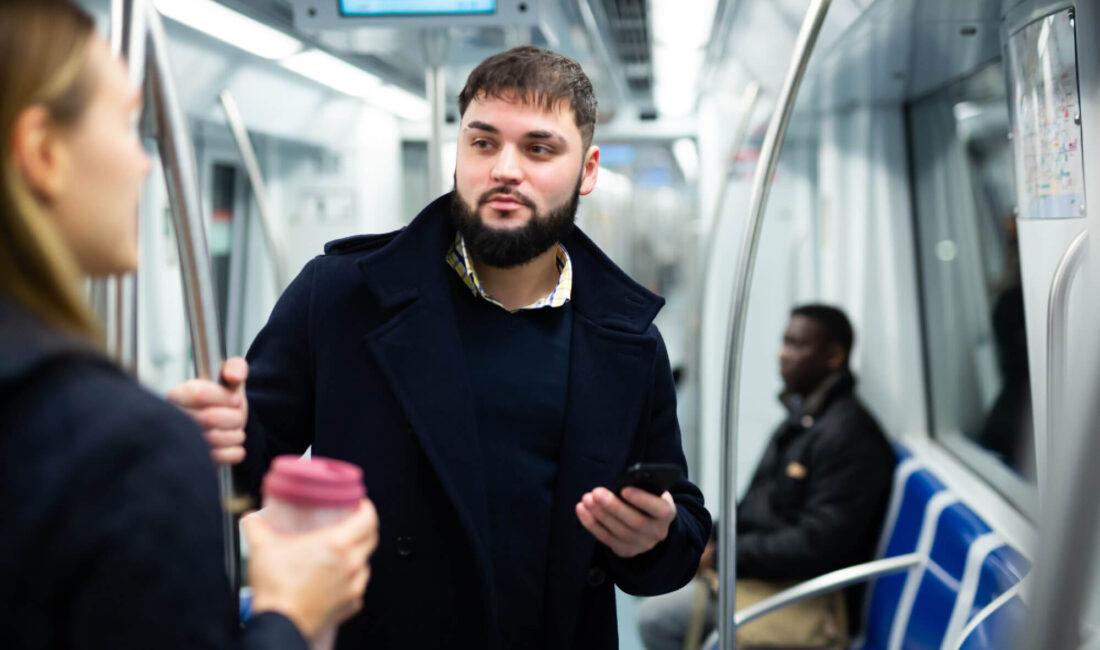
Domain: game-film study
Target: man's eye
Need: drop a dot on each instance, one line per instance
(540, 150)
(482, 144)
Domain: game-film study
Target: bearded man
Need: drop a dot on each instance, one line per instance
(492, 372)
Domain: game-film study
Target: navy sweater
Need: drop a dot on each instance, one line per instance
(519, 370)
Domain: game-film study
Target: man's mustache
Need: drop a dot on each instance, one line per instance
(508, 192)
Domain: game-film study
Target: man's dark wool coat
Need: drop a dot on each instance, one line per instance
(362, 358)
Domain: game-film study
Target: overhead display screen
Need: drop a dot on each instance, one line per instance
(416, 7)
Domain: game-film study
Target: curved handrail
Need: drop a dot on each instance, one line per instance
(595, 37)
(1057, 317)
(751, 94)
(829, 582)
(986, 612)
(765, 173)
(825, 584)
(181, 173)
(259, 188)
(1068, 531)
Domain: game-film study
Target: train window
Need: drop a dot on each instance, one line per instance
(972, 301)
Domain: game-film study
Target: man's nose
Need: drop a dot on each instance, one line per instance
(507, 169)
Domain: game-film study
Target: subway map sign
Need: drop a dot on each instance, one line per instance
(1046, 113)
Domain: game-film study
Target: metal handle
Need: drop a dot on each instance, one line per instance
(752, 94)
(1068, 525)
(1057, 317)
(118, 295)
(595, 38)
(829, 582)
(765, 173)
(181, 172)
(436, 44)
(699, 293)
(259, 189)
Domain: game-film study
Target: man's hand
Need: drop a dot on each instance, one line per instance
(220, 409)
(316, 579)
(629, 526)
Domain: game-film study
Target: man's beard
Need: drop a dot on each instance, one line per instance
(506, 248)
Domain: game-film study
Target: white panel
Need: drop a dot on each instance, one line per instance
(769, 303)
(867, 259)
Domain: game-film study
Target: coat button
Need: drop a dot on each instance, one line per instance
(596, 576)
(807, 421)
(405, 547)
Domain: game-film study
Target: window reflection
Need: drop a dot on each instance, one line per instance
(973, 303)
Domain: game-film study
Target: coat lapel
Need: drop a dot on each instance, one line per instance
(418, 349)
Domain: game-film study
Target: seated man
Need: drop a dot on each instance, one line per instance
(816, 501)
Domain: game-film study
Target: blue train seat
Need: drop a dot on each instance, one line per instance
(967, 567)
(963, 592)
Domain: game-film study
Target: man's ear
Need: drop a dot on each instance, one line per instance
(39, 154)
(836, 357)
(590, 170)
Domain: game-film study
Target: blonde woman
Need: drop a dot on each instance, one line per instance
(109, 523)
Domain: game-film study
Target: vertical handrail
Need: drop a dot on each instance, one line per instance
(1057, 317)
(595, 38)
(435, 80)
(437, 45)
(750, 241)
(275, 247)
(181, 172)
(128, 42)
(748, 106)
(1068, 527)
(752, 94)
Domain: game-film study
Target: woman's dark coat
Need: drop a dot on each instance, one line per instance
(109, 519)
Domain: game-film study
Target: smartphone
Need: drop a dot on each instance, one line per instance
(654, 478)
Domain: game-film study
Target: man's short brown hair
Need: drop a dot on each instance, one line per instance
(534, 75)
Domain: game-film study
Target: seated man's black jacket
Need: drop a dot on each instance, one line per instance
(109, 524)
(819, 494)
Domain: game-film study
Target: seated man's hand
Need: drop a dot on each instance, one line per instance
(317, 578)
(220, 409)
(629, 526)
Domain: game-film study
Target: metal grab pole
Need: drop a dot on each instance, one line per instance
(259, 189)
(119, 308)
(750, 240)
(181, 173)
(752, 93)
(1057, 317)
(435, 79)
(1068, 530)
(437, 45)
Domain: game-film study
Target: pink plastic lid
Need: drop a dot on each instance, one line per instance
(318, 482)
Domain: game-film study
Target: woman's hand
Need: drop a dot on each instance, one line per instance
(317, 578)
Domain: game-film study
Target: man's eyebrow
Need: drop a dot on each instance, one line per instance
(546, 135)
(482, 126)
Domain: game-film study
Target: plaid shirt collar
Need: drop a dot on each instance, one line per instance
(460, 261)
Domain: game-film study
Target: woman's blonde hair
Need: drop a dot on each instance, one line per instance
(44, 46)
